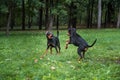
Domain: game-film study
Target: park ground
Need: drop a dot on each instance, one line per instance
(20, 56)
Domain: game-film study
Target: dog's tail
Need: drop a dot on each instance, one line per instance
(57, 27)
(57, 33)
(92, 43)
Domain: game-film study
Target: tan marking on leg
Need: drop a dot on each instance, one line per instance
(45, 53)
(86, 49)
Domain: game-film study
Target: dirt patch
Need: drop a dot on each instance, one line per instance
(107, 60)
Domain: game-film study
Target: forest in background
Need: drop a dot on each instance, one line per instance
(53, 14)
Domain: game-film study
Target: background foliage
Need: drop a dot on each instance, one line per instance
(84, 13)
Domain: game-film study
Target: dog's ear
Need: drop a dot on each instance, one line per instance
(48, 33)
(72, 31)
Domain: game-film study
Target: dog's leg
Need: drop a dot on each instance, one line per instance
(59, 49)
(66, 46)
(45, 53)
(83, 54)
(56, 49)
(67, 42)
(50, 50)
(79, 50)
(58, 45)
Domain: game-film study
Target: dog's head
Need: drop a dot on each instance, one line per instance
(49, 35)
(71, 31)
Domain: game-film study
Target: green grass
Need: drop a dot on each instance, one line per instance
(19, 51)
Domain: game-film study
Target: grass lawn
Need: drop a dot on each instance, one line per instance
(20, 57)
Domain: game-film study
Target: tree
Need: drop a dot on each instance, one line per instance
(57, 21)
(23, 14)
(9, 21)
(75, 13)
(12, 24)
(118, 22)
(90, 13)
(51, 16)
(40, 15)
(99, 14)
(72, 14)
(9, 17)
(46, 13)
(29, 14)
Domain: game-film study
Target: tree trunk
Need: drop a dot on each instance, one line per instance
(105, 19)
(74, 22)
(9, 22)
(29, 14)
(91, 13)
(12, 20)
(57, 21)
(110, 13)
(0, 20)
(72, 15)
(12, 24)
(40, 17)
(69, 17)
(51, 17)
(50, 22)
(46, 14)
(88, 15)
(118, 22)
(99, 14)
(29, 20)
(23, 15)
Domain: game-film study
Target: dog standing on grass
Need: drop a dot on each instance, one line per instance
(52, 41)
(77, 40)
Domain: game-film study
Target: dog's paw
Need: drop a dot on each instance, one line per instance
(66, 47)
(41, 57)
(79, 61)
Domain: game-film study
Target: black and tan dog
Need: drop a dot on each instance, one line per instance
(77, 40)
(52, 41)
